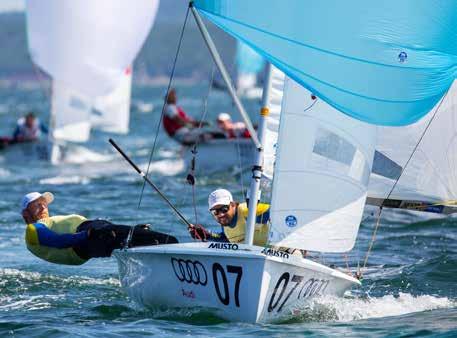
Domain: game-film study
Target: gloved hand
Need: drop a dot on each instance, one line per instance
(197, 231)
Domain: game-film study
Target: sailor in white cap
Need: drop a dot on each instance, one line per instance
(232, 217)
(231, 129)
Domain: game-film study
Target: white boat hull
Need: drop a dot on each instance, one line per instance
(220, 155)
(239, 282)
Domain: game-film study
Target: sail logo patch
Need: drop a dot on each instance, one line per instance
(291, 221)
(402, 57)
(224, 246)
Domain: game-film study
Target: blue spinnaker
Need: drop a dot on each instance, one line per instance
(247, 60)
(383, 62)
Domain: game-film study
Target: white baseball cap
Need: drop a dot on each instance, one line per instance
(32, 196)
(219, 197)
(224, 117)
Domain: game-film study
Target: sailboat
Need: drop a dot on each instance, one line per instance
(70, 41)
(238, 152)
(349, 68)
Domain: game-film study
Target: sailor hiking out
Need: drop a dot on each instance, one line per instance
(73, 239)
(178, 124)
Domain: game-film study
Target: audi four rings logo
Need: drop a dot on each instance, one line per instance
(189, 271)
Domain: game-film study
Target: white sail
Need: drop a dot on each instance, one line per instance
(272, 123)
(321, 174)
(430, 174)
(111, 112)
(70, 114)
(88, 44)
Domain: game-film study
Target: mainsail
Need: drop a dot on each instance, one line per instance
(321, 174)
(384, 62)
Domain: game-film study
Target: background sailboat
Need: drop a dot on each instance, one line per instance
(70, 41)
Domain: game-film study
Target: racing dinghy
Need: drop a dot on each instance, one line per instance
(323, 150)
(220, 155)
(239, 282)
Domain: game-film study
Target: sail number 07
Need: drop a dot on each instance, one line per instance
(224, 296)
(311, 287)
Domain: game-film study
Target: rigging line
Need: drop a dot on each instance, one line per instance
(417, 145)
(346, 259)
(378, 221)
(373, 239)
(165, 102)
(194, 150)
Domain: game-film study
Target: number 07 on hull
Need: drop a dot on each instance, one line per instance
(238, 282)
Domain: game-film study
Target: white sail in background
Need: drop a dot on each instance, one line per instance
(430, 174)
(321, 174)
(86, 44)
(272, 123)
(111, 112)
(70, 114)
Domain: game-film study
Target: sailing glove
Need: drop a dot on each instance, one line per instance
(198, 232)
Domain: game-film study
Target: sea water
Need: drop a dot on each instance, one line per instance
(409, 287)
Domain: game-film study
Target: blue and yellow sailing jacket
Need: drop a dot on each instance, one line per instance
(53, 239)
(235, 232)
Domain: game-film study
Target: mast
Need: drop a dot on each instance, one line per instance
(258, 138)
(257, 169)
(220, 65)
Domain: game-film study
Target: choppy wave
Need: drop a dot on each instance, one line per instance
(4, 173)
(79, 155)
(167, 167)
(350, 309)
(21, 276)
(60, 180)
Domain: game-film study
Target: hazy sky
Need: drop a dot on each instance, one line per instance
(12, 5)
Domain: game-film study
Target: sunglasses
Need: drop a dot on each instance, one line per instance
(221, 210)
